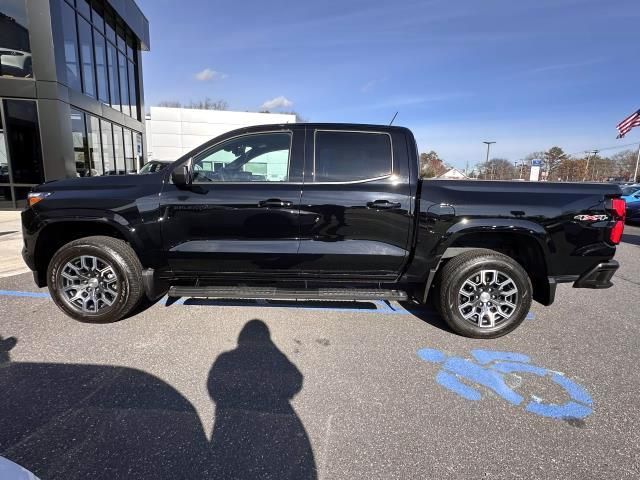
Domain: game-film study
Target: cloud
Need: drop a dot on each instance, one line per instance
(367, 87)
(278, 102)
(207, 74)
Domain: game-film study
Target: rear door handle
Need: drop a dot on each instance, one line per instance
(275, 202)
(383, 204)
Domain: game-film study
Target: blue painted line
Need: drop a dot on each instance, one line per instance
(530, 316)
(16, 293)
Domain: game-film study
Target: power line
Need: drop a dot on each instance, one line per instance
(604, 148)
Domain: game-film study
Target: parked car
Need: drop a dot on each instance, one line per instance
(633, 212)
(155, 166)
(319, 211)
(631, 193)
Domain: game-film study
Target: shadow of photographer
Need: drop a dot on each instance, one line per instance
(94, 421)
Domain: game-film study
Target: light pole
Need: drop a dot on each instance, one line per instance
(488, 144)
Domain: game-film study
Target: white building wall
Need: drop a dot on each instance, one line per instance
(172, 132)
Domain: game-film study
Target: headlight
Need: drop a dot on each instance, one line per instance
(35, 197)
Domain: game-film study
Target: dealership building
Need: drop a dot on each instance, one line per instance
(172, 132)
(71, 93)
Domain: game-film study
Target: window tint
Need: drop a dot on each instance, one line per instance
(351, 156)
(95, 148)
(70, 47)
(252, 158)
(107, 148)
(80, 144)
(129, 161)
(101, 67)
(86, 56)
(118, 145)
(112, 68)
(124, 83)
(15, 60)
(23, 138)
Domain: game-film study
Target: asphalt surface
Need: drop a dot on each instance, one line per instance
(278, 390)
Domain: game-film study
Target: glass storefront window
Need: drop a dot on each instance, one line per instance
(80, 144)
(86, 56)
(15, 50)
(23, 139)
(96, 16)
(122, 44)
(21, 196)
(112, 68)
(83, 7)
(107, 148)
(133, 91)
(129, 160)
(70, 47)
(109, 26)
(124, 83)
(4, 157)
(138, 149)
(101, 67)
(95, 147)
(119, 150)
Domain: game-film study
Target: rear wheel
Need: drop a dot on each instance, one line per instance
(484, 294)
(95, 279)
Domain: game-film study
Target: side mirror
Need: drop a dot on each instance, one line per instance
(181, 177)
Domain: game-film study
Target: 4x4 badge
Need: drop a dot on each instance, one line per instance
(591, 218)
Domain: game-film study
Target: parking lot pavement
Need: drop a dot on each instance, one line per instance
(235, 389)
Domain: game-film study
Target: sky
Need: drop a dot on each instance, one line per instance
(527, 74)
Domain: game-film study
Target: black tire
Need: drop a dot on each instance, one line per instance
(462, 267)
(120, 257)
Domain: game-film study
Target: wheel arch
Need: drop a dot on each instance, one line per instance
(57, 233)
(526, 244)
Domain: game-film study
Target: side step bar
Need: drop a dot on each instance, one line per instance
(273, 293)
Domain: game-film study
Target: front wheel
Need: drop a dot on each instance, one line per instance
(95, 279)
(484, 294)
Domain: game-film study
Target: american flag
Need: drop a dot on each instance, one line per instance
(628, 123)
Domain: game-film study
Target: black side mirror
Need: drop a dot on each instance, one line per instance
(181, 177)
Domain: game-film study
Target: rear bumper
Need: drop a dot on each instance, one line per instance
(599, 276)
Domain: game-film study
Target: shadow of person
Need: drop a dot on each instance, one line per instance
(6, 345)
(256, 432)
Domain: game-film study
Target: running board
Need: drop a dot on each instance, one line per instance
(273, 293)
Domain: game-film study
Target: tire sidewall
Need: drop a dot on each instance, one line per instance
(464, 327)
(105, 253)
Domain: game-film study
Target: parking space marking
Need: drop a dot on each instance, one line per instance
(489, 369)
(16, 293)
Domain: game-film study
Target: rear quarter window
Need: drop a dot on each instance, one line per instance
(351, 156)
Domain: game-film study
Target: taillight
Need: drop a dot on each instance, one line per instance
(619, 210)
(619, 207)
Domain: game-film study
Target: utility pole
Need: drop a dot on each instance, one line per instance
(594, 153)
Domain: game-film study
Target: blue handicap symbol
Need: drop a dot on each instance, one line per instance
(488, 369)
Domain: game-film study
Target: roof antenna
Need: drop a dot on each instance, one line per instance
(394, 117)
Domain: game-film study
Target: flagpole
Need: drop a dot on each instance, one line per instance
(635, 176)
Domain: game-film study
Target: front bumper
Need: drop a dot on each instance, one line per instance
(598, 276)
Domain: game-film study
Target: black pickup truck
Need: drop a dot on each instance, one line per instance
(319, 211)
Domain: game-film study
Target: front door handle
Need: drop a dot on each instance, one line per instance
(275, 202)
(383, 204)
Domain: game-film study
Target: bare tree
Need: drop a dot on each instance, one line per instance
(497, 169)
(208, 104)
(170, 104)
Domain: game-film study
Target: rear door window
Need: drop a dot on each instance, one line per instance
(343, 156)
